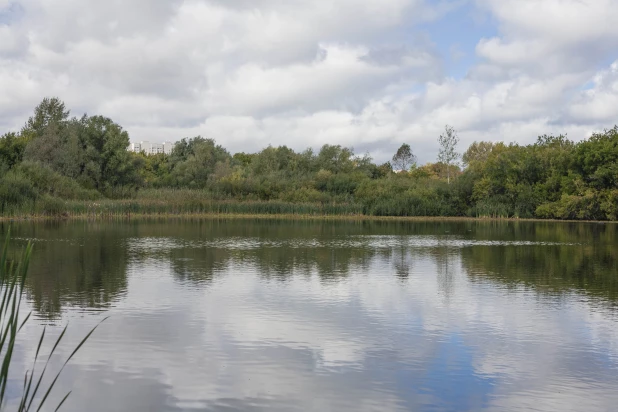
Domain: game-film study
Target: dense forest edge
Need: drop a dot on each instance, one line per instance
(63, 166)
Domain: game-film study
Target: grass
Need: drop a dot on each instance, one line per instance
(174, 203)
(141, 206)
(228, 216)
(13, 274)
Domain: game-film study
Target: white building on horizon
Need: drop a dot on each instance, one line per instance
(152, 148)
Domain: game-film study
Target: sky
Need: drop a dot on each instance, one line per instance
(210, 323)
(369, 75)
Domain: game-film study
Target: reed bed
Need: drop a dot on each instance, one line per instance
(173, 206)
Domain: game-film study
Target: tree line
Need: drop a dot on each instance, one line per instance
(56, 158)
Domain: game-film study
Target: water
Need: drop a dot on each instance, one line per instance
(326, 316)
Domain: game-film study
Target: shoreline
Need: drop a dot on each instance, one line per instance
(281, 216)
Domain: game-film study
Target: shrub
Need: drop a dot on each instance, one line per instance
(50, 206)
(45, 180)
(16, 189)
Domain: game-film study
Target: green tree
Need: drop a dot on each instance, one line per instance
(382, 170)
(274, 159)
(155, 170)
(106, 162)
(335, 158)
(193, 160)
(597, 159)
(49, 111)
(404, 158)
(477, 152)
(12, 147)
(244, 159)
(58, 147)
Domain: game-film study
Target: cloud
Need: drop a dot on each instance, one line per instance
(246, 337)
(305, 73)
(551, 36)
(599, 103)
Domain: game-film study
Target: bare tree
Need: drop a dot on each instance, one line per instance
(447, 154)
(404, 158)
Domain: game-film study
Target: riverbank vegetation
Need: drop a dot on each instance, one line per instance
(58, 165)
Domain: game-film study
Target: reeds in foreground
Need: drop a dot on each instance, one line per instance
(13, 274)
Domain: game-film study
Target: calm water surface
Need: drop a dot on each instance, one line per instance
(326, 316)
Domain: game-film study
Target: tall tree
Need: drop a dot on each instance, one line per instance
(49, 111)
(404, 158)
(335, 158)
(106, 162)
(447, 154)
(477, 152)
(52, 138)
(193, 160)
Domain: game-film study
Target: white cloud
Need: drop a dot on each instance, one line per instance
(305, 73)
(600, 103)
(553, 36)
(243, 336)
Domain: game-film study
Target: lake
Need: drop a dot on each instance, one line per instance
(266, 315)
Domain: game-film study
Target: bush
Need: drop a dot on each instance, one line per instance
(609, 204)
(572, 207)
(305, 195)
(405, 196)
(121, 192)
(546, 211)
(16, 189)
(50, 206)
(45, 180)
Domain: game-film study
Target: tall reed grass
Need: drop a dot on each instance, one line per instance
(172, 203)
(13, 274)
(492, 209)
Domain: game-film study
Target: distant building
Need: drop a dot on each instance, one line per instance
(152, 148)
